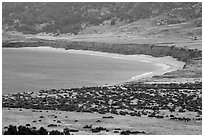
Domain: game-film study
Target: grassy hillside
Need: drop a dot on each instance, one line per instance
(74, 17)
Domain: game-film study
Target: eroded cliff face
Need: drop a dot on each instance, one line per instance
(181, 54)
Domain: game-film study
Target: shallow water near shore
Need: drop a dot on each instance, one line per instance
(29, 69)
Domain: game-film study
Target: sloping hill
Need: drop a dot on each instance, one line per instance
(74, 17)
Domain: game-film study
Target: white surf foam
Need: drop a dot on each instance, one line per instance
(142, 75)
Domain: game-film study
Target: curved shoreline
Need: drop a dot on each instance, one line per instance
(167, 63)
(117, 92)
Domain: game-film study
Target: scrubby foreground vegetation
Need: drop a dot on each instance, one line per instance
(28, 130)
(152, 100)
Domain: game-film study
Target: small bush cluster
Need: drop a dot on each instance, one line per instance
(24, 130)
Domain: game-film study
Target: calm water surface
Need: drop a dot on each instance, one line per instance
(33, 70)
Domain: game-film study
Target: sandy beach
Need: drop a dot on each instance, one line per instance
(166, 64)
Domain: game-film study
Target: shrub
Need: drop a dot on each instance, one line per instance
(43, 131)
(12, 130)
(55, 132)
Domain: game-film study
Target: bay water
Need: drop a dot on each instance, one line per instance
(26, 70)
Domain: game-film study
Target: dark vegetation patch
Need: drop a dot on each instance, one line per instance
(52, 125)
(87, 126)
(134, 99)
(24, 130)
(72, 17)
(98, 129)
(108, 117)
(128, 132)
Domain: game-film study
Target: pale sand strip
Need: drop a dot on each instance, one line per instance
(166, 64)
